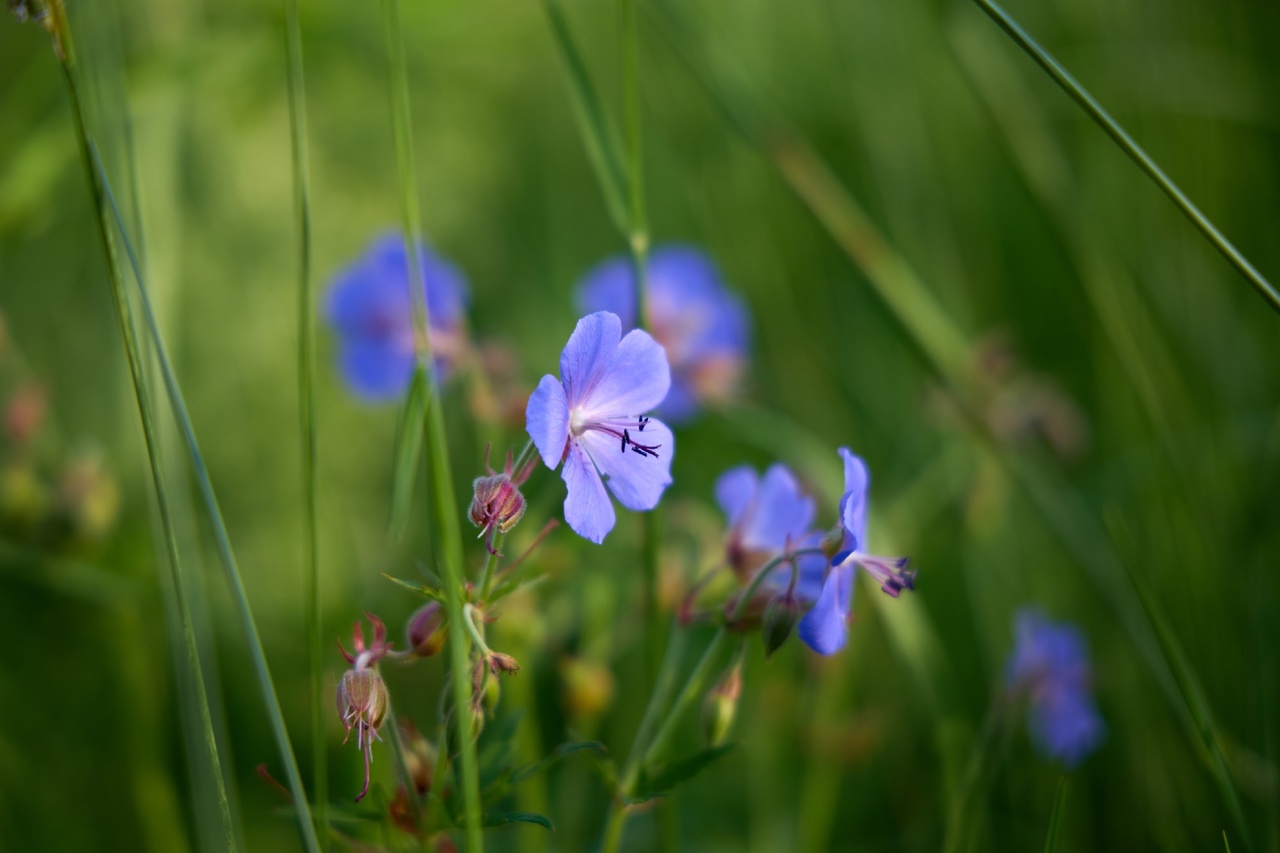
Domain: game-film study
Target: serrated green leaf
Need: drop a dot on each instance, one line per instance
(522, 773)
(673, 774)
(518, 817)
(421, 589)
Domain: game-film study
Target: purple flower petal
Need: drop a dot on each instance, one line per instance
(824, 628)
(853, 505)
(588, 354)
(547, 420)
(587, 508)
(782, 511)
(637, 481)
(634, 381)
(735, 491)
(610, 286)
(375, 370)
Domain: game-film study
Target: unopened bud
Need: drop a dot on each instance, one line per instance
(497, 502)
(780, 616)
(427, 630)
(498, 662)
(362, 700)
(721, 705)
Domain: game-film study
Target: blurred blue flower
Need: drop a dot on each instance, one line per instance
(825, 627)
(369, 306)
(702, 325)
(1050, 665)
(767, 515)
(593, 415)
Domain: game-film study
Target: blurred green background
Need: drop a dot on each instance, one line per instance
(1123, 376)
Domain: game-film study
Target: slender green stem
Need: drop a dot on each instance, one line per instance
(1112, 128)
(306, 412)
(222, 539)
(638, 232)
(146, 413)
(490, 563)
(693, 686)
(442, 491)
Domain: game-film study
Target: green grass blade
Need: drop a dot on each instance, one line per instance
(597, 133)
(1055, 819)
(307, 414)
(222, 539)
(1112, 128)
(443, 499)
(124, 316)
(404, 469)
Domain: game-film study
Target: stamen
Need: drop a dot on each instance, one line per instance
(626, 437)
(643, 421)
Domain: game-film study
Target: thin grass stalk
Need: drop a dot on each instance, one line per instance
(597, 134)
(146, 413)
(307, 414)
(1129, 146)
(1055, 819)
(441, 475)
(222, 539)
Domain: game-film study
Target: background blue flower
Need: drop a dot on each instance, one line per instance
(701, 323)
(369, 306)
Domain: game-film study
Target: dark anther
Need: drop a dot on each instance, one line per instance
(626, 437)
(643, 421)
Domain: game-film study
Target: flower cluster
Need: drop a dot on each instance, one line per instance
(1049, 666)
(770, 517)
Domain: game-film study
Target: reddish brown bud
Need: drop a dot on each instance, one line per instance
(427, 630)
(721, 705)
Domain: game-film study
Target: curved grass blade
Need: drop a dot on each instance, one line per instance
(404, 468)
(222, 539)
(195, 680)
(1112, 128)
(306, 411)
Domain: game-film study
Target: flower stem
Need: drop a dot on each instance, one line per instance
(443, 496)
(490, 564)
(307, 414)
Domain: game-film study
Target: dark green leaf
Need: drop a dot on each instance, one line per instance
(668, 777)
(518, 817)
(421, 589)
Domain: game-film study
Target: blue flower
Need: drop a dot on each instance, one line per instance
(1050, 665)
(592, 419)
(369, 306)
(768, 515)
(824, 628)
(701, 324)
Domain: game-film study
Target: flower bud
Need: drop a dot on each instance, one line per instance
(780, 617)
(497, 503)
(362, 700)
(427, 630)
(720, 707)
(498, 662)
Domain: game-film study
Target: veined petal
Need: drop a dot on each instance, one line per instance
(735, 490)
(636, 481)
(781, 511)
(588, 354)
(376, 370)
(634, 382)
(853, 505)
(587, 508)
(824, 628)
(547, 420)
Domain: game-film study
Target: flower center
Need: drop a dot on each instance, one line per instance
(627, 431)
